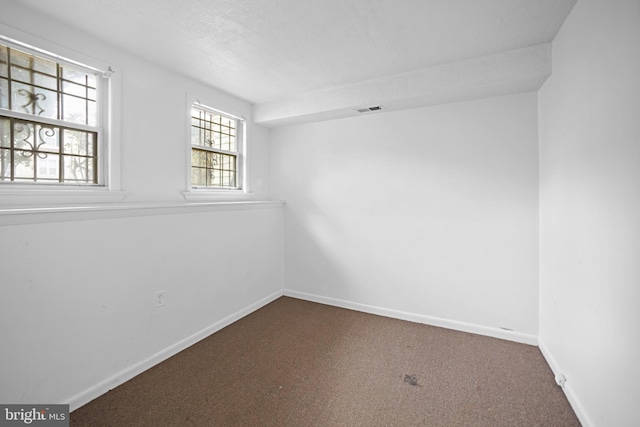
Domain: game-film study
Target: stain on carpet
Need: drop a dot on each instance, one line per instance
(412, 380)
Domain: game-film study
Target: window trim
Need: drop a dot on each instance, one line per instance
(213, 193)
(109, 188)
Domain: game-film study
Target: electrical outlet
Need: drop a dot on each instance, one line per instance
(160, 301)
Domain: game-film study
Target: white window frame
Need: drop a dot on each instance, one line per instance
(108, 188)
(216, 193)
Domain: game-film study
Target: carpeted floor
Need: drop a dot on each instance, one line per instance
(297, 363)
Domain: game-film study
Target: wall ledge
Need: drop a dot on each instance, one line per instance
(34, 215)
(515, 71)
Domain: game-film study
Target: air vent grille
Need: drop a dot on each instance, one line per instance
(368, 109)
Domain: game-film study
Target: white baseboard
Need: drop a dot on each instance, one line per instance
(568, 390)
(99, 389)
(418, 318)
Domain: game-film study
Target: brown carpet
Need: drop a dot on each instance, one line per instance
(297, 363)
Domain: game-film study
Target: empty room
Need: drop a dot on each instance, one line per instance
(320, 213)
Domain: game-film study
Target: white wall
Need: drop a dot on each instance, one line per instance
(77, 312)
(431, 212)
(590, 211)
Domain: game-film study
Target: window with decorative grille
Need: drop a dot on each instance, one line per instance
(216, 141)
(50, 120)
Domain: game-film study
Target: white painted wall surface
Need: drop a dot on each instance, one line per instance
(78, 297)
(77, 312)
(430, 211)
(590, 211)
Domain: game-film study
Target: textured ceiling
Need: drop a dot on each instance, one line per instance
(270, 50)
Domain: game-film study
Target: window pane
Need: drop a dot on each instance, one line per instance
(21, 75)
(226, 179)
(23, 165)
(31, 62)
(41, 88)
(48, 167)
(75, 109)
(47, 139)
(5, 164)
(20, 58)
(196, 139)
(91, 80)
(224, 142)
(92, 110)
(5, 136)
(38, 152)
(74, 75)
(43, 80)
(78, 169)
(4, 93)
(212, 130)
(3, 58)
(212, 169)
(198, 177)
(198, 158)
(214, 178)
(212, 139)
(79, 142)
(213, 160)
(33, 100)
(33, 137)
(23, 135)
(33, 78)
(74, 89)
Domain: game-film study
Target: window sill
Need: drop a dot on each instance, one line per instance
(33, 215)
(207, 195)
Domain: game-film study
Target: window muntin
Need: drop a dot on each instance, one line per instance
(215, 149)
(49, 120)
(43, 153)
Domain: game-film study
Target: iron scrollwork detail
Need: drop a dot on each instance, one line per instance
(39, 139)
(33, 101)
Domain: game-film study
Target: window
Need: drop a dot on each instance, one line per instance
(216, 141)
(50, 120)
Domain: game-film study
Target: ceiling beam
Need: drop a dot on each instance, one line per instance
(515, 71)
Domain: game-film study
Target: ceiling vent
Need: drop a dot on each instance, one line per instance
(368, 109)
